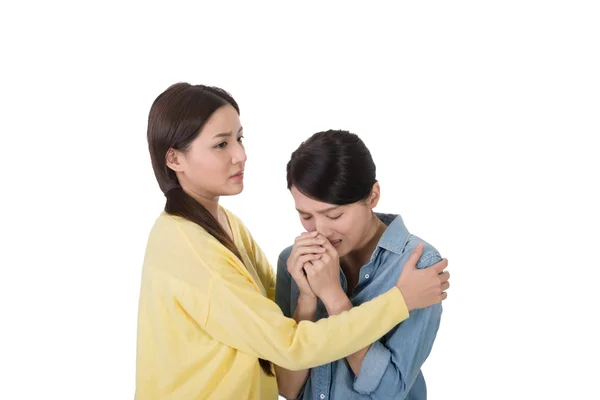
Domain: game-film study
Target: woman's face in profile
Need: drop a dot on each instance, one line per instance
(213, 164)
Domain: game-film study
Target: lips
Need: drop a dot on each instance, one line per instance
(336, 243)
(237, 175)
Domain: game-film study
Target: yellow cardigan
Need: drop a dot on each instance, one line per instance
(205, 319)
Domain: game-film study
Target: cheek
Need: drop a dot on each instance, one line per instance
(206, 164)
(308, 225)
(346, 228)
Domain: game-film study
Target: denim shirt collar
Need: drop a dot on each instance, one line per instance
(396, 235)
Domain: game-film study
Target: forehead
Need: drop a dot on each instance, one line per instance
(305, 204)
(225, 119)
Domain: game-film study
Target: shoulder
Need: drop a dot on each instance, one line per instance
(430, 254)
(285, 254)
(178, 248)
(397, 239)
(168, 230)
(282, 260)
(180, 238)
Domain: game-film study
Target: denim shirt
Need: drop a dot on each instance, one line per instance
(391, 368)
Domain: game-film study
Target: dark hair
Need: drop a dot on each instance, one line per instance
(334, 167)
(176, 118)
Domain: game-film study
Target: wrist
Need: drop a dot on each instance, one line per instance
(336, 301)
(407, 301)
(306, 308)
(307, 299)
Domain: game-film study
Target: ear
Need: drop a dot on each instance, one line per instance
(373, 198)
(174, 160)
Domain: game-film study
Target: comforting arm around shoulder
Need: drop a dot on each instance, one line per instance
(241, 317)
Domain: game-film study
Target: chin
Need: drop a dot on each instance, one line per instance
(233, 190)
(342, 252)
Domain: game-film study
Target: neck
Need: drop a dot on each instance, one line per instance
(354, 260)
(211, 203)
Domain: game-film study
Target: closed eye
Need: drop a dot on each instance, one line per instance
(337, 217)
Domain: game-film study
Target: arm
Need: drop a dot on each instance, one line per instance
(265, 270)
(322, 272)
(263, 267)
(389, 370)
(233, 311)
(290, 383)
(215, 291)
(338, 303)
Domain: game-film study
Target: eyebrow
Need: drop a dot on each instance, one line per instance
(226, 134)
(323, 211)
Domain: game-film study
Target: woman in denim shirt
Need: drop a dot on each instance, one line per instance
(331, 177)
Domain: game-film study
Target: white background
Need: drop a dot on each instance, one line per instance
(482, 118)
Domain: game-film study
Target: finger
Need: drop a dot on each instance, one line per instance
(299, 275)
(414, 257)
(295, 265)
(329, 247)
(440, 266)
(305, 242)
(309, 270)
(306, 234)
(295, 269)
(310, 241)
(300, 251)
(445, 286)
(317, 264)
(444, 276)
(304, 258)
(308, 257)
(309, 234)
(444, 296)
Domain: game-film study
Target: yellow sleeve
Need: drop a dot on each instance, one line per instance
(241, 317)
(264, 269)
(219, 294)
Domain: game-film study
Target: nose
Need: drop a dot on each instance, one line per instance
(323, 228)
(239, 154)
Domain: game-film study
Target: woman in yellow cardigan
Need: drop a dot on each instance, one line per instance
(208, 327)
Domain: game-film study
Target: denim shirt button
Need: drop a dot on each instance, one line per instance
(322, 396)
(366, 276)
